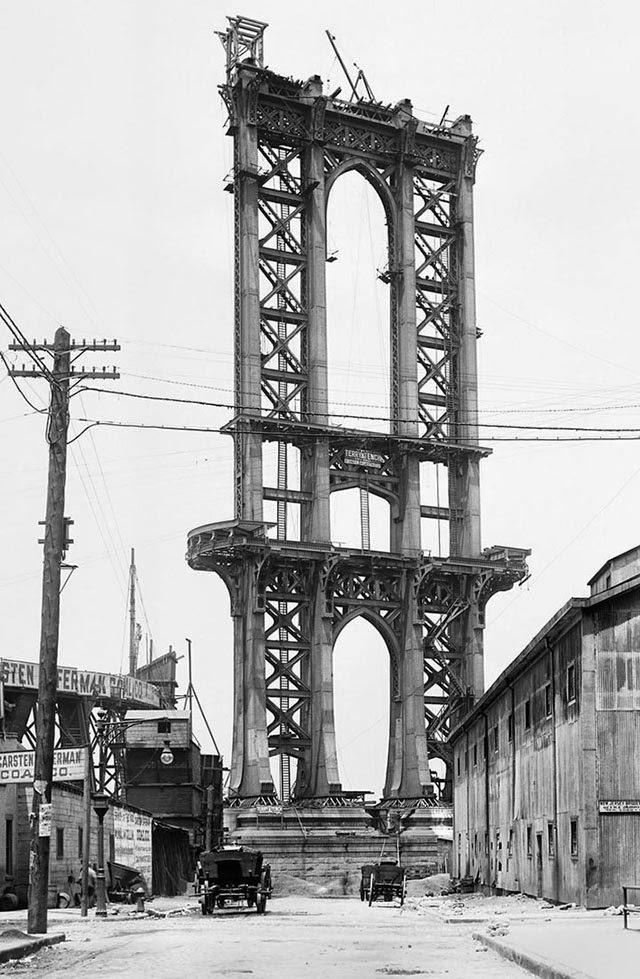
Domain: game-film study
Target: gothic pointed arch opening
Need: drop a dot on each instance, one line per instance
(358, 303)
(359, 338)
(361, 676)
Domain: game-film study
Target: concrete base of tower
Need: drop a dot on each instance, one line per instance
(318, 848)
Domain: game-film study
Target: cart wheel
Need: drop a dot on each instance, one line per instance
(203, 906)
(261, 901)
(251, 900)
(220, 902)
(371, 891)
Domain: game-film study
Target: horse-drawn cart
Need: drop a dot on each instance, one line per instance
(232, 876)
(386, 880)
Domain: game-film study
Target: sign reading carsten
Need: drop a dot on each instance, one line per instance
(19, 766)
(14, 673)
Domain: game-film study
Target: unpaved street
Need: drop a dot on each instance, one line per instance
(298, 937)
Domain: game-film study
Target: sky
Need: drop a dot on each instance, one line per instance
(115, 223)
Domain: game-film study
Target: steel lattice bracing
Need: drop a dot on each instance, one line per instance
(291, 598)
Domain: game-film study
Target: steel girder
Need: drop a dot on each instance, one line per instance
(353, 583)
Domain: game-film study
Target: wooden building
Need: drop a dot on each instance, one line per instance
(546, 770)
(167, 774)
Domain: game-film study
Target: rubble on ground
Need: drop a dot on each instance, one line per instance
(434, 894)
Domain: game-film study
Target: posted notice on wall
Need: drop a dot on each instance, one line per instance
(44, 819)
(19, 766)
(132, 841)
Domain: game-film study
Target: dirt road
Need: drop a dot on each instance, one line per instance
(298, 937)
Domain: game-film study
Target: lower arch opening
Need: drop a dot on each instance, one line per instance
(361, 706)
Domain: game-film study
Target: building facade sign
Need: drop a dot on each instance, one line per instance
(18, 767)
(619, 806)
(15, 673)
(132, 841)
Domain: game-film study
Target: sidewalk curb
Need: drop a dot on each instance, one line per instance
(15, 944)
(538, 965)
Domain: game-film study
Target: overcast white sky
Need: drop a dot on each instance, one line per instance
(115, 223)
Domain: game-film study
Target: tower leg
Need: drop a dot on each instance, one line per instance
(250, 772)
(318, 772)
(408, 773)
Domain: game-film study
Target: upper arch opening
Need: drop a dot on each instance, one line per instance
(358, 301)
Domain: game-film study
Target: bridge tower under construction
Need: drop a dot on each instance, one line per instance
(290, 598)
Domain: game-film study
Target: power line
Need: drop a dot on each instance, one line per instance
(25, 346)
(361, 417)
(347, 435)
(39, 411)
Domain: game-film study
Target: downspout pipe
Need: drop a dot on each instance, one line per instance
(486, 797)
(556, 891)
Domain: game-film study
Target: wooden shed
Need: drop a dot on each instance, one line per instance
(546, 777)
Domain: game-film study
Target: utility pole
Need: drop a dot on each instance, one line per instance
(55, 546)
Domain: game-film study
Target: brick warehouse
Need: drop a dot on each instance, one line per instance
(132, 837)
(546, 782)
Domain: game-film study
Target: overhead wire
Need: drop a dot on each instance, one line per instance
(486, 411)
(114, 517)
(354, 435)
(359, 416)
(38, 411)
(25, 346)
(94, 506)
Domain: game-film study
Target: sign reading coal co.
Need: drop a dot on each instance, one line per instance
(361, 457)
(619, 806)
(18, 767)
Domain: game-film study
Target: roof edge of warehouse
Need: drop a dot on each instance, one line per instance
(559, 623)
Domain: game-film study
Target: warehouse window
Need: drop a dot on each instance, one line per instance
(475, 755)
(529, 842)
(510, 844)
(164, 727)
(573, 847)
(510, 728)
(458, 764)
(8, 847)
(80, 842)
(547, 700)
(466, 760)
(59, 843)
(571, 682)
(551, 839)
(527, 713)
(496, 738)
